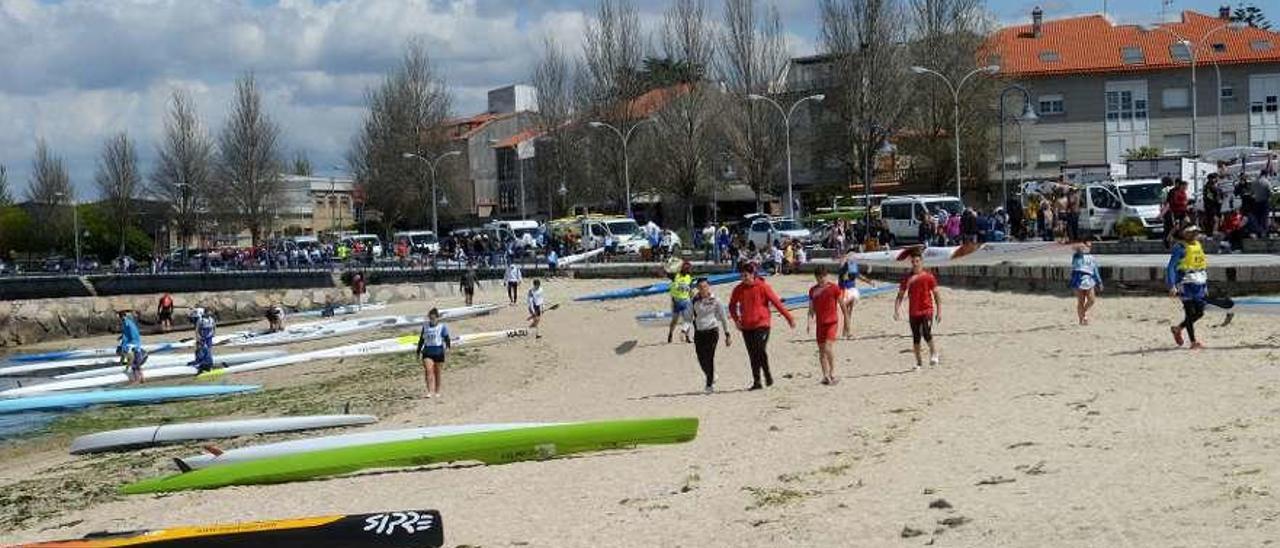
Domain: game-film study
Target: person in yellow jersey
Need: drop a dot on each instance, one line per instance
(1188, 278)
(681, 291)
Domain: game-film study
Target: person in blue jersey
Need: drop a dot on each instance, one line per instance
(132, 356)
(849, 276)
(432, 343)
(1086, 280)
(1187, 276)
(206, 326)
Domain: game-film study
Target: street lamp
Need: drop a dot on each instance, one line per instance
(1191, 50)
(626, 166)
(435, 220)
(955, 96)
(786, 122)
(75, 226)
(1028, 117)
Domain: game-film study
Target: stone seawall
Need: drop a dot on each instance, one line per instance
(36, 320)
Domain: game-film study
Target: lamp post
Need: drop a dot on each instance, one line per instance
(1028, 116)
(435, 220)
(1191, 50)
(786, 122)
(955, 103)
(868, 174)
(626, 166)
(75, 226)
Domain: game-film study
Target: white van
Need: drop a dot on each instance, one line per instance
(371, 242)
(419, 241)
(518, 228)
(1106, 203)
(902, 214)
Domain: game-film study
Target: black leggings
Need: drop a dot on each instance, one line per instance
(1192, 311)
(513, 291)
(756, 341)
(704, 342)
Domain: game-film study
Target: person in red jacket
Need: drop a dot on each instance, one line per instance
(749, 309)
(825, 299)
(923, 308)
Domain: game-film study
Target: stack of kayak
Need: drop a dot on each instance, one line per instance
(654, 289)
(146, 436)
(163, 367)
(327, 329)
(489, 444)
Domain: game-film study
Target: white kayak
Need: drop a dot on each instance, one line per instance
(158, 362)
(101, 357)
(117, 376)
(294, 447)
(340, 310)
(579, 257)
(394, 345)
(331, 329)
(945, 255)
(145, 436)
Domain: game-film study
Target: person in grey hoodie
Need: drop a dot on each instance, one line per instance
(708, 320)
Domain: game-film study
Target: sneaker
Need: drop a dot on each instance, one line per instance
(825, 381)
(918, 367)
(709, 389)
(755, 387)
(768, 381)
(933, 360)
(1177, 334)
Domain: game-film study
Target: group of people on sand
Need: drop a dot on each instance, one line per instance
(753, 301)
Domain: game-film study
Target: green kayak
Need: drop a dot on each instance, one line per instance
(493, 447)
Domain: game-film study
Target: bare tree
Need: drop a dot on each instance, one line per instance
(184, 164)
(301, 164)
(873, 91)
(553, 78)
(404, 115)
(119, 182)
(249, 162)
(613, 50)
(6, 197)
(753, 54)
(50, 188)
(685, 132)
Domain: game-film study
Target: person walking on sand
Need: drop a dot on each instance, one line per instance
(749, 309)
(1187, 275)
(433, 340)
(205, 328)
(708, 321)
(468, 283)
(513, 277)
(164, 312)
(535, 302)
(849, 276)
(924, 307)
(680, 289)
(130, 351)
(1086, 280)
(357, 289)
(825, 299)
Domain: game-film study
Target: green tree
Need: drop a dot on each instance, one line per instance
(1142, 153)
(1252, 15)
(15, 231)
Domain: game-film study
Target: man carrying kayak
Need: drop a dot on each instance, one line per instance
(749, 308)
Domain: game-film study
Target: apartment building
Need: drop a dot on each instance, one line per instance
(1103, 90)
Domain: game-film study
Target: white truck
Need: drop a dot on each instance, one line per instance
(1105, 203)
(594, 229)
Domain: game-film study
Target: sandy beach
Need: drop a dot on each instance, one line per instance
(1034, 431)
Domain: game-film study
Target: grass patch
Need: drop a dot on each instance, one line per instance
(764, 497)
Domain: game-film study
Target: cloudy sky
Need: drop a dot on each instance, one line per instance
(75, 72)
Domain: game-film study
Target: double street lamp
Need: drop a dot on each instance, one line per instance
(786, 122)
(626, 166)
(1191, 53)
(955, 103)
(431, 164)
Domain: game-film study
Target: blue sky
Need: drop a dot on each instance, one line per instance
(76, 71)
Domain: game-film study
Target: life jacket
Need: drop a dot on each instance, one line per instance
(1193, 259)
(681, 286)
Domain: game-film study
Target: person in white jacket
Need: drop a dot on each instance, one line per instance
(513, 277)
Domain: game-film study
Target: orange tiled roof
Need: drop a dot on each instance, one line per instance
(465, 128)
(518, 138)
(1092, 43)
(650, 102)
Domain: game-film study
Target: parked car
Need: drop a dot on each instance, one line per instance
(371, 242)
(902, 214)
(1105, 204)
(764, 231)
(421, 242)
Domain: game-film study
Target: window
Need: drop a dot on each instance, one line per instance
(1228, 139)
(1227, 93)
(1049, 56)
(1219, 47)
(1180, 52)
(1122, 105)
(1177, 143)
(1171, 98)
(1050, 104)
(1271, 103)
(1053, 152)
(1132, 55)
(1103, 198)
(1260, 45)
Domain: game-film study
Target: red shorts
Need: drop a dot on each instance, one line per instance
(827, 332)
